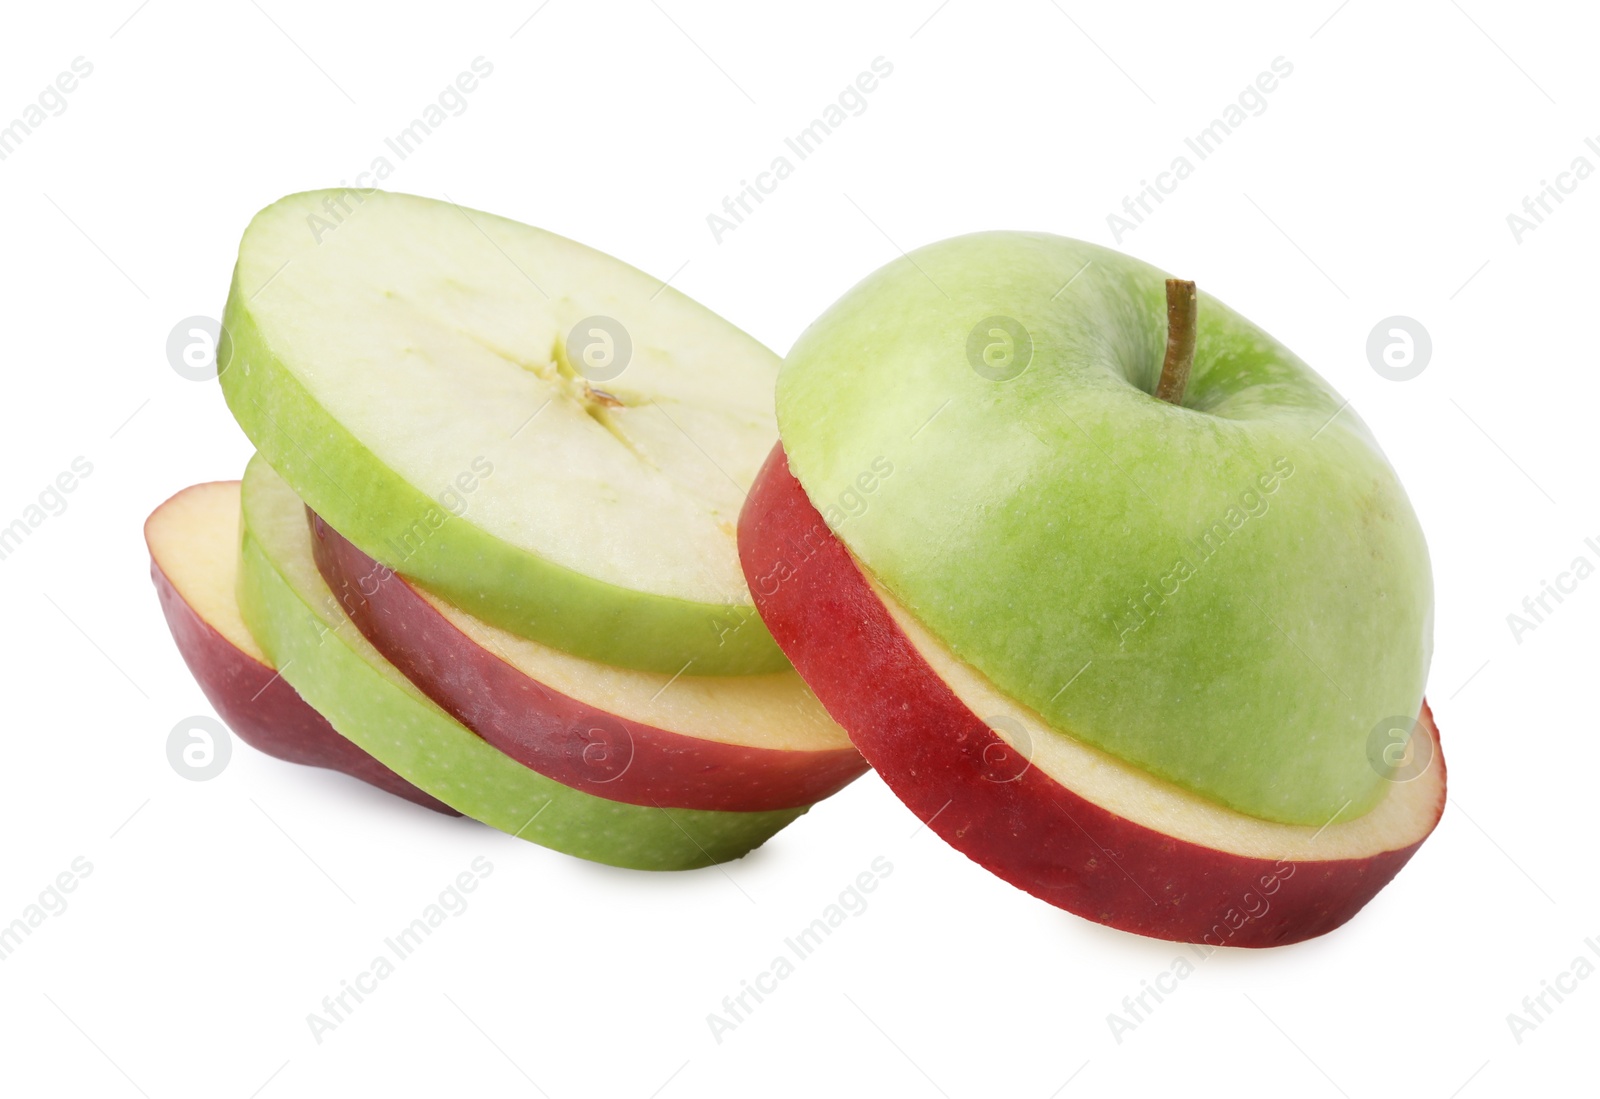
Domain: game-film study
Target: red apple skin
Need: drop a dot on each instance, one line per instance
(937, 757)
(263, 710)
(558, 736)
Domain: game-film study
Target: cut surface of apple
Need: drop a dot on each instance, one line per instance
(193, 540)
(737, 743)
(1065, 821)
(298, 621)
(1235, 586)
(540, 433)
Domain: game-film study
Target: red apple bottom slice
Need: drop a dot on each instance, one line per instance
(194, 561)
(748, 743)
(1070, 824)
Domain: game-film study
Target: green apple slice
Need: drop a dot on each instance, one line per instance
(1232, 593)
(533, 430)
(302, 629)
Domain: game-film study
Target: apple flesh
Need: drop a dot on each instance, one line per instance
(539, 433)
(734, 743)
(300, 625)
(194, 562)
(1068, 823)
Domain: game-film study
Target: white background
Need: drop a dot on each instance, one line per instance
(218, 914)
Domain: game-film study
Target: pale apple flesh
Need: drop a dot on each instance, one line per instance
(735, 743)
(194, 563)
(1058, 818)
(536, 431)
(302, 628)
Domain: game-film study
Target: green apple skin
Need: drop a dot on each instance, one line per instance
(576, 604)
(1236, 590)
(299, 624)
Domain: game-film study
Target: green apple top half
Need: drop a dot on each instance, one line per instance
(1229, 590)
(539, 433)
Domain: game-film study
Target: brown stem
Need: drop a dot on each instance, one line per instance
(1182, 311)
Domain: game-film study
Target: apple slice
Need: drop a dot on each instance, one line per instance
(194, 561)
(539, 433)
(1064, 821)
(737, 743)
(298, 621)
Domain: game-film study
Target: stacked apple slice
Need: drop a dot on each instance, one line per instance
(194, 560)
(1115, 592)
(489, 535)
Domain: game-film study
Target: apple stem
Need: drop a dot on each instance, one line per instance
(1183, 308)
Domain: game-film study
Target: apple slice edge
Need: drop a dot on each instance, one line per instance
(967, 783)
(246, 691)
(573, 739)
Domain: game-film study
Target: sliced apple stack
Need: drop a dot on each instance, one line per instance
(519, 588)
(1117, 595)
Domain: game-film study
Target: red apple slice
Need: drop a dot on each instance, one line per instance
(1068, 823)
(194, 560)
(746, 743)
